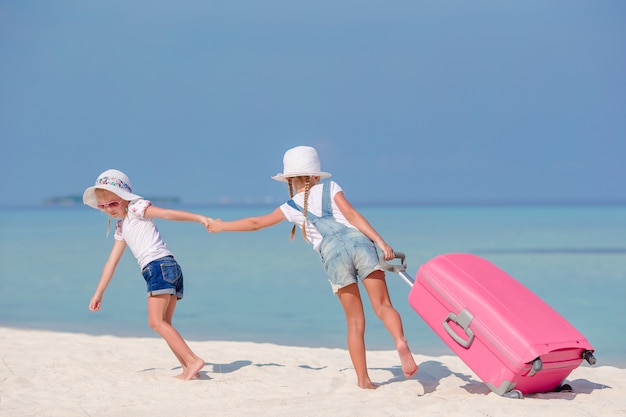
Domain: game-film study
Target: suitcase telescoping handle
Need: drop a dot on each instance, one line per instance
(398, 269)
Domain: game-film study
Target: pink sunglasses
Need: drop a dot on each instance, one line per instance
(112, 204)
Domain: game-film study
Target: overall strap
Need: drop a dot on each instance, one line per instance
(311, 217)
(294, 205)
(327, 207)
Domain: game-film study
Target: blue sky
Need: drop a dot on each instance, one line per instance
(406, 101)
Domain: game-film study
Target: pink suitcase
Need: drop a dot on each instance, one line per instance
(512, 340)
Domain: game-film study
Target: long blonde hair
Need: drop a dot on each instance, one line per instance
(307, 187)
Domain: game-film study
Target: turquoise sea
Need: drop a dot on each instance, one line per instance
(262, 287)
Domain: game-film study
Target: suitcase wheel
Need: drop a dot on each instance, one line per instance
(516, 394)
(564, 388)
(588, 356)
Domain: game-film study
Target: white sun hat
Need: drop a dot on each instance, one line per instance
(301, 161)
(111, 180)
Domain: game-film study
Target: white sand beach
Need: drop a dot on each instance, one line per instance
(75, 375)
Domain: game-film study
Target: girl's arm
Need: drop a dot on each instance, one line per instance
(248, 224)
(107, 274)
(176, 215)
(356, 219)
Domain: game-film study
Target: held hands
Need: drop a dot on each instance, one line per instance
(205, 221)
(212, 225)
(215, 225)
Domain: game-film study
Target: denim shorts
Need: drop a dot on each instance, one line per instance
(164, 276)
(347, 256)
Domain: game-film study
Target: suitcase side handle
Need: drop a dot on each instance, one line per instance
(463, 319)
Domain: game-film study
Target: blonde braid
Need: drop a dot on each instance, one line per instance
(307, 186)
(293, 229)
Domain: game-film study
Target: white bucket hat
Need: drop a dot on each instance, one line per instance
(111, 180)
(301, 161)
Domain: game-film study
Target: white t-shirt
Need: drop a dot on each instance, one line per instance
(314, 207)
(141, 234)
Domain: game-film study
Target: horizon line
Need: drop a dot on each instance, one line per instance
(371, 203)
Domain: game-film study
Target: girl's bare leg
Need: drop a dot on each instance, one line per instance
(376, 287)
(160, 312)
(169, 315)
(350, 299)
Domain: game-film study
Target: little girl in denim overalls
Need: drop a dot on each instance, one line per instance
(346, 244)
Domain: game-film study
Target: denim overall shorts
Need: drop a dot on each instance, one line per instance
(345, 252)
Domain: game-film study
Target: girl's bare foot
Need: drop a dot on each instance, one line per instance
(409, 367)
(181, 376)
(192, 369)
(367, 384)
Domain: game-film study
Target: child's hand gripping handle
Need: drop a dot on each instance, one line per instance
(399, 269)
